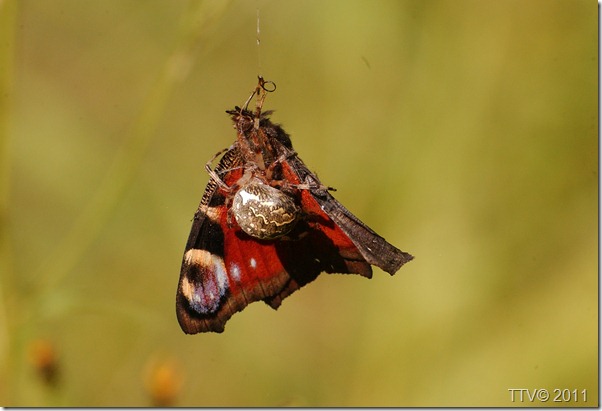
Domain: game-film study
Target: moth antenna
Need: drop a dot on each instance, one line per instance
(263, 87)
(246, 105)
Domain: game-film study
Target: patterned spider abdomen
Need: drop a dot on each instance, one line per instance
(264, 212)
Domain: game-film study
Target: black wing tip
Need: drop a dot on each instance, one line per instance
(407, 257)
(400, 259)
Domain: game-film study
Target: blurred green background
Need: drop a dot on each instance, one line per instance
(464, 132)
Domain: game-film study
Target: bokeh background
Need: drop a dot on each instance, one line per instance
(464, 132)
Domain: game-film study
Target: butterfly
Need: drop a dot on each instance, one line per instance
(266, 226)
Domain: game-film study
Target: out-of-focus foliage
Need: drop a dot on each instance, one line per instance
(464, 132)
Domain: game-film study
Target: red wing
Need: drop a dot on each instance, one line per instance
(224, 269)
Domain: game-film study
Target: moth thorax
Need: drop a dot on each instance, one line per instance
(264, 212)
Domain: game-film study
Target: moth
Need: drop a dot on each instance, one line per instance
(266, 226)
